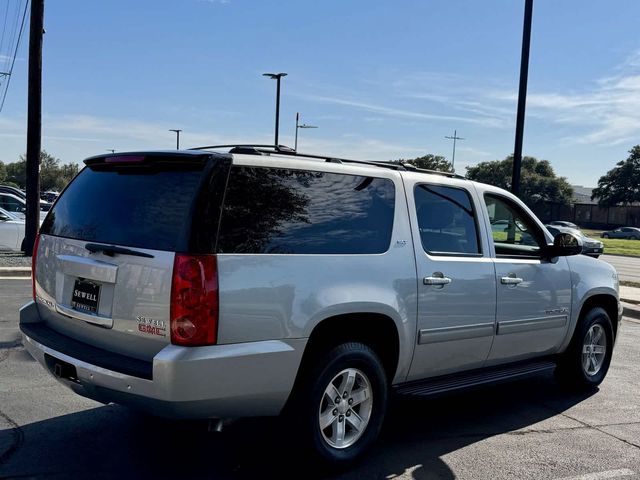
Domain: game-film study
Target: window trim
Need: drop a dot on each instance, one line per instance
(521, 212)
(480, 254)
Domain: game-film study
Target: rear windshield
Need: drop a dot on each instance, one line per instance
(144, 206)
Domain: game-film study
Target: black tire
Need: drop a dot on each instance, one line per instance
(22, 245)
(304, 410)
(604, 235)
(571, 370)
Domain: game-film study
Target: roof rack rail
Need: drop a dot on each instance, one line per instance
(413, 168)
(262, 149)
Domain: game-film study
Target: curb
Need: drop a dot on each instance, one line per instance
(619, 254)
(15, 271)
(631, 310)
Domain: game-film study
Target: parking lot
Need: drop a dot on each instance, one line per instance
(528, 429)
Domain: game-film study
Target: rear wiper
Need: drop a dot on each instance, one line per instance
(111, 250)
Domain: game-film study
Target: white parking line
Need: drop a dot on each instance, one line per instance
(622, 472)
(15, 278)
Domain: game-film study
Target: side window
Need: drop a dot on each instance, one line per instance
(446, 220)
(514, 232)
(281, 211)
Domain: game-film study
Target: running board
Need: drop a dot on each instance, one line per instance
(457, 381)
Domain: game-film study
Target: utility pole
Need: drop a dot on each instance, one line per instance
(298, 126)
(522, 97)
(112, 150)
(34, 125)
(277, 77)
(453, 157)
(177, 137)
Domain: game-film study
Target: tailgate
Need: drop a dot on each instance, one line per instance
(105, 257)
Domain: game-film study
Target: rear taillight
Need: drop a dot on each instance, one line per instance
(194, 300)
(34, 258)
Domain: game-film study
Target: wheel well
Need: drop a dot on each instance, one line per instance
(373, 329)
(610, 305)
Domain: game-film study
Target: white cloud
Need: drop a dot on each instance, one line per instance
(607, 113)
(401, 113)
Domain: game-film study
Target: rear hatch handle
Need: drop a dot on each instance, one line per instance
(111, 250)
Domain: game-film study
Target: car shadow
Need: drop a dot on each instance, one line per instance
(114, 442)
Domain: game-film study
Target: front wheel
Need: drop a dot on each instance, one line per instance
(586, 362)
(342, 403)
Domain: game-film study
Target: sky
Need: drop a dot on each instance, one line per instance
(381, 79)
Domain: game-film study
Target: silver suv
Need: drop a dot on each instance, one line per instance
(258, 281)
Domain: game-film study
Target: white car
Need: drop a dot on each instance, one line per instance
(11, 231)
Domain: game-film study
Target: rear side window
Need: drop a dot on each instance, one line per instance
(446, 220)
(280, 211)
(145, 207)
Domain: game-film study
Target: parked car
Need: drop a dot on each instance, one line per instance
(275, 282)
(49, 196)
(562, 223)
(11, 232)
(13, 191)
(18, 205)
(629, 233)
(590, 246)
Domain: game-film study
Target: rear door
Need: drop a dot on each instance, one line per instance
(105, 259)
(456, 280)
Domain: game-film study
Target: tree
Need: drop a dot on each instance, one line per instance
(539, 182)
(53, 175)
(621, 184)
(17, 173)
(3, 172)
(429, 162)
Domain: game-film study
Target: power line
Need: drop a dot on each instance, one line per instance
(12, 34)
(4, 27)
(15, 54)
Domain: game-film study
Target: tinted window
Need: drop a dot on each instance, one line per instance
(11, 204)
(146, 207)
(514, 232)
(446, 220)
(270, 210)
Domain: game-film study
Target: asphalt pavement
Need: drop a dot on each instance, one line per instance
(530, 429)
(628, 267)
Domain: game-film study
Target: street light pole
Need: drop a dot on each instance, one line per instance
(453, 157)
(177, 136)
(522, 97)
(298, 126)
(277, 77)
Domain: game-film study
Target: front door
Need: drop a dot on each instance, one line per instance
(534, 294)
(456, 281)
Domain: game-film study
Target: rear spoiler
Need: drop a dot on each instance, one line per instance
(142, 158)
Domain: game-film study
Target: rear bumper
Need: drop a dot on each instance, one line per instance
(221, 381)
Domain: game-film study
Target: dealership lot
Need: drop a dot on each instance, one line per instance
(528, 429)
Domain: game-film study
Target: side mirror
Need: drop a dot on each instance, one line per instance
(3, 217)
(564, 245)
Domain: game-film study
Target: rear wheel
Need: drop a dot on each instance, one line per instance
(604, 235)
(341, 404)
(586, 362)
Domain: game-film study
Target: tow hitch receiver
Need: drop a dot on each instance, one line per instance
(61, 369)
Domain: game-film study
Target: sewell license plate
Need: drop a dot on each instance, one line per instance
(85, 296)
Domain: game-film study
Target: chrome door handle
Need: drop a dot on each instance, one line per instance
(511, 280)
(436, 281)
